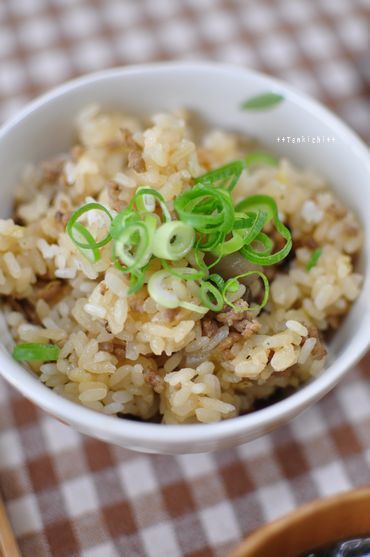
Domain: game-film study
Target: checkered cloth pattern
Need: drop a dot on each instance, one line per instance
(68, 495)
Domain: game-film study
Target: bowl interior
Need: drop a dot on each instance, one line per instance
(215, 92)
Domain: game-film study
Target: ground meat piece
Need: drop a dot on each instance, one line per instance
(170, 313)
(113, 192)
(106, 347)
(204, 158)
(229, 316)
(334, 321)
(135, 152)
(51, 291)
(279, 241)
(103, 288)
(352, 229)
(225, 346)
(25, 307)
(51, 170)
(247, 327)
(271, 272)
(154, 379)
(135, 160)
(209, 327)
(117, 348)
(337, 211)
(305, 242)
(319, 351)
(241, 320)
(114, 143)
(63, 218)
(76, 152)
(284, 373)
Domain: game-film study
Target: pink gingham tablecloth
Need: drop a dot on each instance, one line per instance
(68, 495)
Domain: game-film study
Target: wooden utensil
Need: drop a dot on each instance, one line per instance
(8, 543)
(319, 523)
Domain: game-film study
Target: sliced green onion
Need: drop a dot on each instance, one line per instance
(262, 101)
(73, 220)
(35, 351)
(193, 208)
(183, 273)
(199, 261)
(137, 279)
(252, 253)
(132, 247)
(235, 243)
(225, 177)
(316, 254)
(194, 307)
(210, 241)
(124, 218)
(265, 257)
(173, 240)
(163, 296)
(218, 280)
(166, 297)
(211, 297)
(233, 284)
(251, 233)
(145, 199)
(255, 203)
(214, 263)
(268, 205)
(265, 241)
(260, 158)
(244, 221)
(92, 254)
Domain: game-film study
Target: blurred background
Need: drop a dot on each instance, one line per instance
(321, 46)
(68, 495)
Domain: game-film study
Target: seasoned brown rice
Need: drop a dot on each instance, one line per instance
(127, 355)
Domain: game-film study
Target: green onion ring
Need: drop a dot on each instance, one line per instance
(263, 257)
(161, 295)
(95, 253)
(199, 261)
(226, 176)
(193, 307)
(256, 227)
(125, 217)
(173, 240)
(255, 203)
(137, 279)
(190, 208)
(167, 298)
(268, 205)
(142, 204)
(218, 280)
(233, 284)
(235, 243)
(183, 273)
(127, 239)
(35, 351)
(73, 220)
(207, 292)
(253, 254)
(212, 241)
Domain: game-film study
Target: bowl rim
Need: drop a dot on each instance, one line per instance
(143, 432)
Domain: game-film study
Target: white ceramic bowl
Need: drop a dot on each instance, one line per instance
(45, 127)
